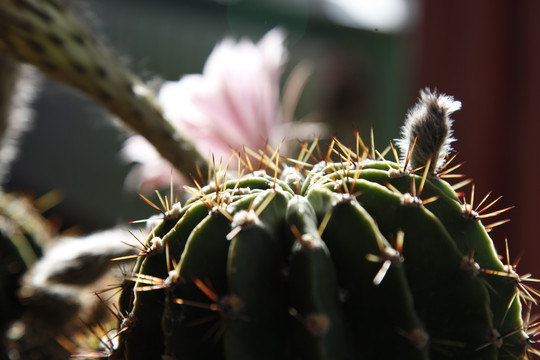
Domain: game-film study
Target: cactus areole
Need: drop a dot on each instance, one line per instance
(351, 258)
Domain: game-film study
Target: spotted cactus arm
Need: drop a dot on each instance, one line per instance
(47, 34)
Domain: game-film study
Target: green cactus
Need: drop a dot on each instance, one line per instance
(352, 258)
(355, 258)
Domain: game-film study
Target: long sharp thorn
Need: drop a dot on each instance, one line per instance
(382, 272)
(263, 154)
(249, 166)
(199, 174)
(498, 223)
(324, 222)
(472, 196)
(264, 204)
(384, 152)
(424, 177)
(318, 148)
(396, 156)
(365, 149)
(490, 205)
(507, 252)
(308, 152)
(330, 150)
(409, 154)
(161, 200)
(400, 240)
(206, 290)
(357, 135)
(172, 189)
(393, 189)
(448, 171)
(372, 144)
(481, 202)
(495, 213)
(150, 203)
(461, 184)
(108, 307)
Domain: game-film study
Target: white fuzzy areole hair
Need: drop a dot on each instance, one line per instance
(428, 121)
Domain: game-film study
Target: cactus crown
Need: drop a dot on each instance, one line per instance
(351, 258)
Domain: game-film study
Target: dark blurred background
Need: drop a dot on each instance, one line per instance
(487, 54)
(370, 60)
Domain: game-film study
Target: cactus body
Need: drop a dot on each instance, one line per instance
(344, 261)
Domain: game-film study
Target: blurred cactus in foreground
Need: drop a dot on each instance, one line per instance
(48, 35)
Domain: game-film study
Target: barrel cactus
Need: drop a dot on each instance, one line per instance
(353, 258)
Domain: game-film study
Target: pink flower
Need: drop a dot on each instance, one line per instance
(233, 103)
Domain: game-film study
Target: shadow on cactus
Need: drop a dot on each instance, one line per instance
(341, 254)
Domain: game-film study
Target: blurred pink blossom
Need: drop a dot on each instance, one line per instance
(235, 102)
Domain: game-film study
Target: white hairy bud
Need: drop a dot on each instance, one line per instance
(429, 123)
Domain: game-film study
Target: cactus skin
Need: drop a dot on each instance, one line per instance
(265, 268)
